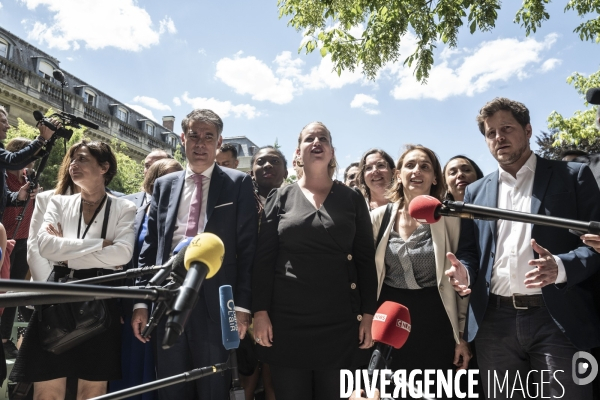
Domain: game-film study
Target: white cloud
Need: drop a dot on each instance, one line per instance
(176, 101)
(223, 108)
(167, 25)
(96, 24)
(0, 6)
(470, 71)
(549, 64)
(152, 103)
(283, 80)
(142, 110)
(365, 103)
(202, 51)
(248, 75)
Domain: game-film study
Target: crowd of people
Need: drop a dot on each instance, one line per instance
(310, 262)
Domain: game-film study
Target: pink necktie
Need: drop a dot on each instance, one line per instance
(195, 207)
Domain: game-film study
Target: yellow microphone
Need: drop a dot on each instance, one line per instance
(206, 248)
(203, 259)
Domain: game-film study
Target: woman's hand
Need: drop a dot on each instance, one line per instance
(462, 354)
(364, 332)
(263, 330)
(58, 232)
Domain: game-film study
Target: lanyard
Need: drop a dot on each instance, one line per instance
(93, 217)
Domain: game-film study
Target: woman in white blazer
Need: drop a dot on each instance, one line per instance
(411, 261)
(70, 238)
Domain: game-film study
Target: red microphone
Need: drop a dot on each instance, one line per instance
(390, 328)
(425, 209)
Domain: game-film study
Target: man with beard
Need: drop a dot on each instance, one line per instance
(531, 307)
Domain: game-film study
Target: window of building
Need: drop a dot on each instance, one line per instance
(150, 129)
(45, 70)
(3, 48)
(122, 114)
(89, 98)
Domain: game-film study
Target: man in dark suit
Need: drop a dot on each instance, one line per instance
(531, 305)
(227, 209)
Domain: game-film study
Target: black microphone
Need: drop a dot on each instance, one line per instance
(58, 75)
(428, 209)
(39, 117)
(80, 120)
(203, 259)
(593, 96)
(176, 262)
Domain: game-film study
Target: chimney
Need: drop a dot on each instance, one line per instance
(168, 122)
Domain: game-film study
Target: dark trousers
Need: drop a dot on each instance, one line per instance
(18, 270)
(513, 342)
(302, 384)
(198, 346)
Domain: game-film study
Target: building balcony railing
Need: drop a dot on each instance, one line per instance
(130, 133)
(8, 70)
(156, 143)
(93, 114)
(53, 91)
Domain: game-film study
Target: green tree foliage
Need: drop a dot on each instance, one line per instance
(178, 155)
(130, 173)
(327, 25)
(581, 126)
(548, 149)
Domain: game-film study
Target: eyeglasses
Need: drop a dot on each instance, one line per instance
(380, 166)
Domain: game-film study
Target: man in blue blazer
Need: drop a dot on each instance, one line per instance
(228, 210)
(531, 306)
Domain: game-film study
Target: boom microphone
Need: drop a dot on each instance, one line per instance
(202, 259)
(427, 209)
(390, 328)
(593, 96)
(79, 120)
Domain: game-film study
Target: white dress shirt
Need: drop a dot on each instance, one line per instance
(183, 210)
(513, 245)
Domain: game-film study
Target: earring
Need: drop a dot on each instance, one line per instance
(299, 162)
(332, 163)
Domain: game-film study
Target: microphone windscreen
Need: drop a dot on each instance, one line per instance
(593, 96)
(58, 75)
(391, 324)
(229, 328)
(179, 262)
(38, 115)
(206, 248)
(422, 208)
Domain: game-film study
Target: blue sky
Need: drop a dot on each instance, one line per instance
(241, 60)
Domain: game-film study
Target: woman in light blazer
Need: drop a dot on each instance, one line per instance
(411, 261)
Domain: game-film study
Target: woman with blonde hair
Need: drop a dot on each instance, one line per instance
(411, 261)
(314, 283)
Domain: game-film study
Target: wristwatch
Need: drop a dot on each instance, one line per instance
(42, 140)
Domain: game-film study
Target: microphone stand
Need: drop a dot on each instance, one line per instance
(63, 293)
(451, 207)
(172, 380)
(237, 391)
